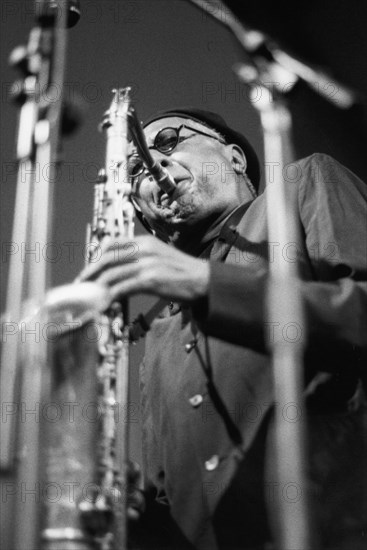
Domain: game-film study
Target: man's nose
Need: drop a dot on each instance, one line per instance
(163, 158)
(162, 172)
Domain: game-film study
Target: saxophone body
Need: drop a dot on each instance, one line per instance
(86, 450)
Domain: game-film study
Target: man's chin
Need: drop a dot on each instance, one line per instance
(171, 223)
(174, 214)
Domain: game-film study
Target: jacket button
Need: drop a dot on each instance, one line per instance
(212, 463)
(190, 346)
(196, 400)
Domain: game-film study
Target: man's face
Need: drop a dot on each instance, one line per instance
(206, 184)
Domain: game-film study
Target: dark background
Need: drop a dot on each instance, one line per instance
(172, 54)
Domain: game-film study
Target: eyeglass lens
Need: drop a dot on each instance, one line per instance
(165, 141)
(135, 166)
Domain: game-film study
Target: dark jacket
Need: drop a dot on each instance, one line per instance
(206, 382)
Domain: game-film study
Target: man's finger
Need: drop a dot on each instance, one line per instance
(116, 256)
(94, 269)
(128, 288)
(123, 249)
(119, 273)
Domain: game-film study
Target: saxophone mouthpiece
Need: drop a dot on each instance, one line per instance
(163, 178)
(159, 173)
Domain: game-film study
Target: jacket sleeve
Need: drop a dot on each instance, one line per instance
(332, 210)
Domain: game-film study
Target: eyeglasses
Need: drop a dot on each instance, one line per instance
(165, 142)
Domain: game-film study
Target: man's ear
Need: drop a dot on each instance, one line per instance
(238, 159)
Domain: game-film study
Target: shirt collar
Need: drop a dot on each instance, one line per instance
(224, 230)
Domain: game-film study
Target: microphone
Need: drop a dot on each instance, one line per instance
(50, 10)
(73, 12)
(159, 173)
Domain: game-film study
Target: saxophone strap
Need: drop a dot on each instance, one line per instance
(141, 325)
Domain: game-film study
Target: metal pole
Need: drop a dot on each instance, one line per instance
(284, 313)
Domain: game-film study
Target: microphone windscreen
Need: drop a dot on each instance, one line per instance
(52, 10)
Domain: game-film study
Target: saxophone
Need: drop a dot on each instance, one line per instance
(92, 456)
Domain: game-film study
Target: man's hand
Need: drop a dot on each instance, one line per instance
(147, 265)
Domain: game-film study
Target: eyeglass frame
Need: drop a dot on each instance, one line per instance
(177, 130)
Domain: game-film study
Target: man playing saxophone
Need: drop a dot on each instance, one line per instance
(207, 393)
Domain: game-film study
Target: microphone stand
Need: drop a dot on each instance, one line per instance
(285, 309)
(25, 378)
(269, 71)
